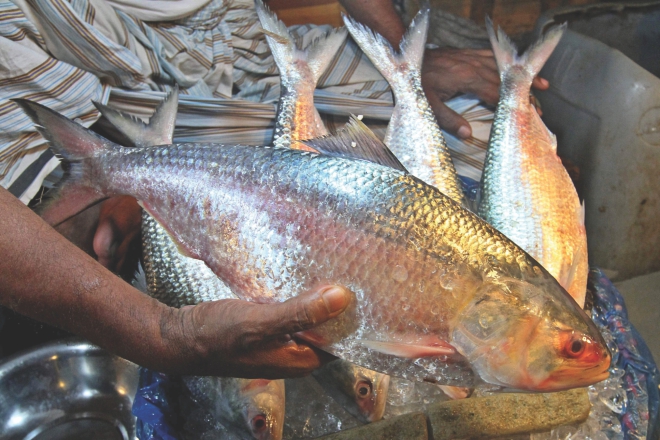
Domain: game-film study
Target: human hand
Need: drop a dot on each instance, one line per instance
(237, 338)
(447, 72)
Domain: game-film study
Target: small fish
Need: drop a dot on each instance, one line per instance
(413, 133)
(252, 408)
(361, 392)
(439, 294)
(526, 192)
(300, 70)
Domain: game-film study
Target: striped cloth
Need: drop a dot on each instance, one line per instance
(129, 53)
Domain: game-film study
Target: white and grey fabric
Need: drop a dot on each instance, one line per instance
(129, 53)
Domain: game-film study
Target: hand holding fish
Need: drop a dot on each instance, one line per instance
(237, 338)
(70, 290)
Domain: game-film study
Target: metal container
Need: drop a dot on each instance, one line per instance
(605, 110)
(67, 390)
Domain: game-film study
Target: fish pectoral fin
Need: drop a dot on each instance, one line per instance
(180, 247)
(356, 141)
(425, 348)
(455, 392)
(311, 337)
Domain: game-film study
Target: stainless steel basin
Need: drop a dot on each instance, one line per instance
(67, 390)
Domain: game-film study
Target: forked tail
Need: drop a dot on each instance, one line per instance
(506, 52)
(385, 58)
(77, 146)
(288, 57)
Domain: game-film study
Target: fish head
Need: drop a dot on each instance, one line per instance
(360, 391)
(370, 393)
(262, 408)
(530, 335)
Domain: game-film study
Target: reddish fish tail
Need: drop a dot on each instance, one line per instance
(506, 52)
(76, 146)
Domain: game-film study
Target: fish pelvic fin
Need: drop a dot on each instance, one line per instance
(76, 146)
(381, 53)
(288, 57)
(159, 130)
(506, 52)
(355, 140)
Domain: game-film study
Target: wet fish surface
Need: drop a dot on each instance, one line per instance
(413, 133)
(439, 293)
(526, 192)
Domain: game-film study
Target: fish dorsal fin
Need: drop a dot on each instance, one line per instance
(357, 141)
(413, 43)
(159, 130)
(323, 50)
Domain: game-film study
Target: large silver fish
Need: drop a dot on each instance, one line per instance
(252, 408)
(439, 293)
(526, 191)
(413, 133)
(300, 70)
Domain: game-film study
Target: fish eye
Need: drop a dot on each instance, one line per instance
(363, 389)
(575, 347)
(259, 423)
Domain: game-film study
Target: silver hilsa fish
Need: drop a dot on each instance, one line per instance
(526, 192)
(413, 133)
(439, 294)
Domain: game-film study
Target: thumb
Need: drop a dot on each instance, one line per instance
(305, 311)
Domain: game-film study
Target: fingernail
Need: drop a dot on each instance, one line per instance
(464, 132)
(335, 299)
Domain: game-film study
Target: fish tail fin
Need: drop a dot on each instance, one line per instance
(288, 57)
(506, 52)
(77, 146)
(381, 53)
(159, 130)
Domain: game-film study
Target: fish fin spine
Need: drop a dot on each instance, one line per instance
(355, 140)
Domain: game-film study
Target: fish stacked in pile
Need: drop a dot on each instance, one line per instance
(440, 294)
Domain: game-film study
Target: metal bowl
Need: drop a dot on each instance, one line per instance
(67, 390)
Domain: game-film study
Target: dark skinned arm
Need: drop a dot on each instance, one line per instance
(45, 277)
(446, 72)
